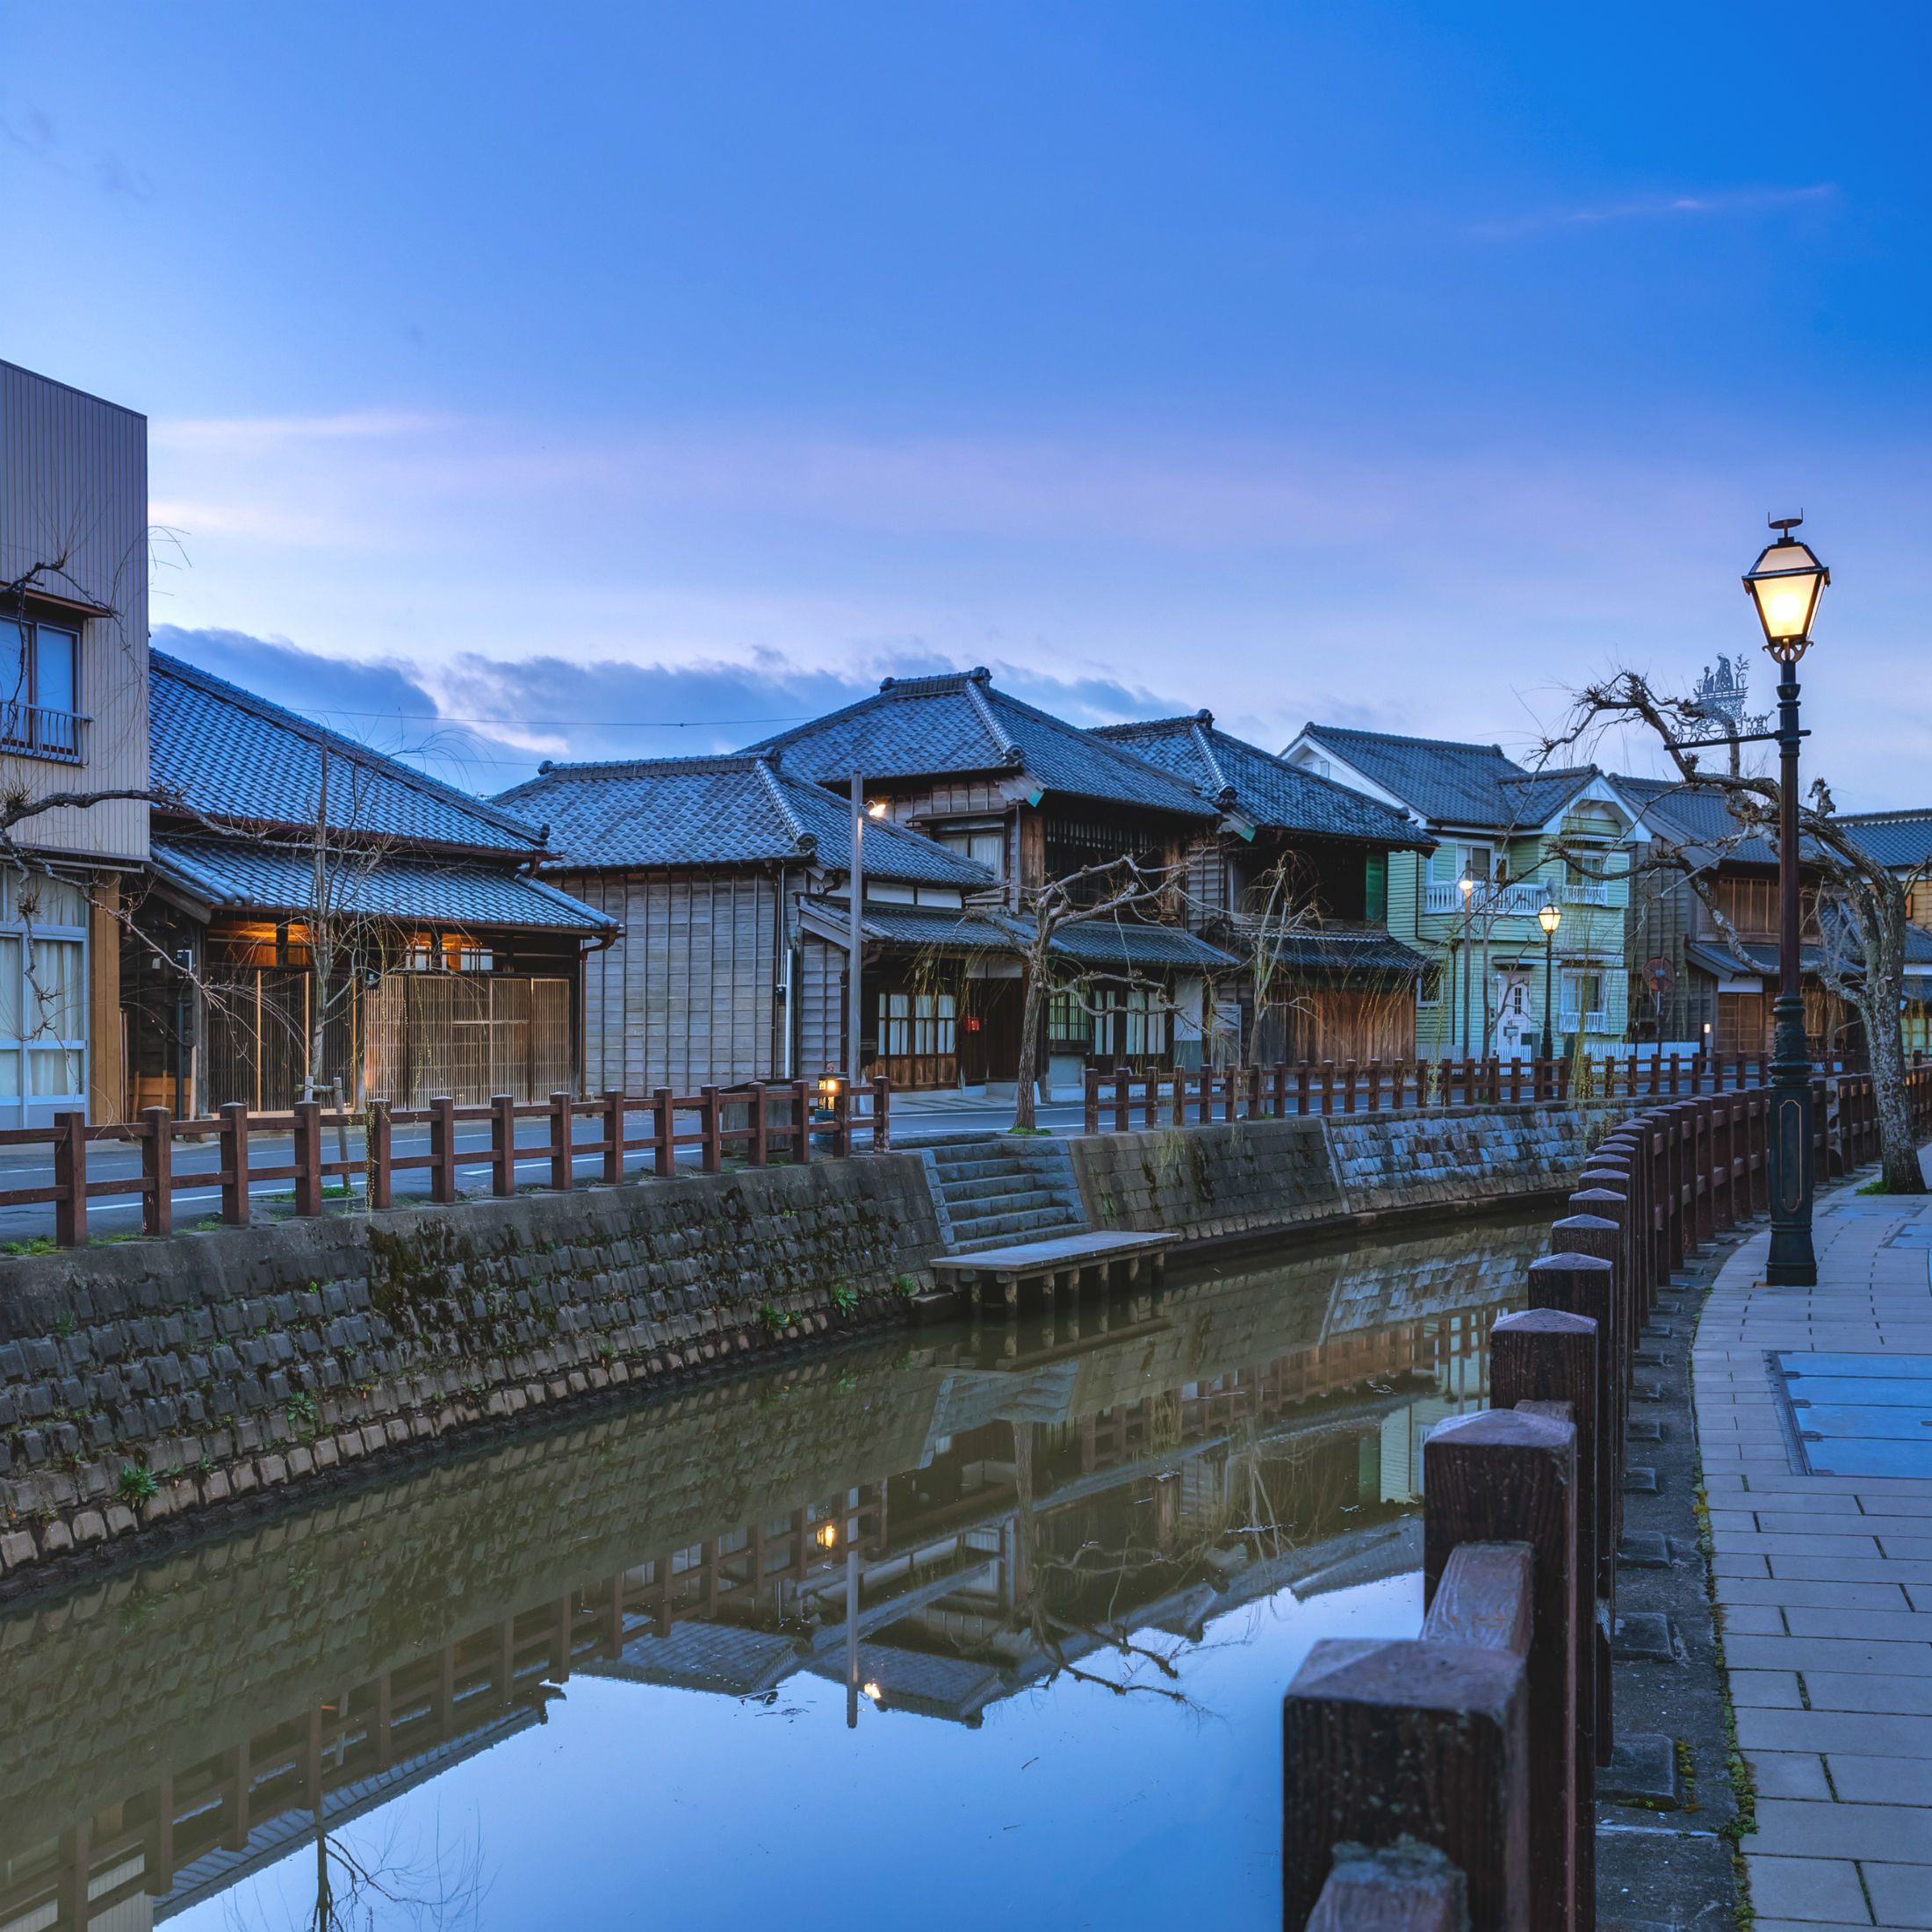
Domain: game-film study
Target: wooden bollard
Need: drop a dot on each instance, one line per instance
(1424, 1740)
(1575, 1283)
(1545, 1355)
(1500, 1476)
(1581, 1231)
(1407, 1887)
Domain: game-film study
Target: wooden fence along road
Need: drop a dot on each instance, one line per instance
(1458, 1771)
(758, 1122)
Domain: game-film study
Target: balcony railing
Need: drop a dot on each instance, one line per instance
(1586, 892)
(1571, 1023)
(39, 731)
(1522, 897)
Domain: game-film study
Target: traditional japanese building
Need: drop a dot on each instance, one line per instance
(1508, 841)
(1036, 800)
(1292, 880)
(730, 879)
(315, 911)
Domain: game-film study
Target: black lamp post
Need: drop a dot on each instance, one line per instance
(1549, 916)
(1784, 584)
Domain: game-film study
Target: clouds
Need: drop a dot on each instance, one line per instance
(485, 722)
(1665, 207)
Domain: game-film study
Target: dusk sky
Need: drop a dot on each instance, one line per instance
(588, 372)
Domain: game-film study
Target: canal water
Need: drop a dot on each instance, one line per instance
(959, 1628)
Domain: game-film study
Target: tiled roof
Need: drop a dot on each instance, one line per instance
(1452, 783)
(735, 809)
(1715, 957)
(1103, 942)
(446, 892)
(932, 727)
(1275, 795)
(1336, 950)
(916, 925)
(1892, 838)
(1695, 818)
(1095, 942)
(235, 756)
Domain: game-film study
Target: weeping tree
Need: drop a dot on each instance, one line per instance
(1863, 905)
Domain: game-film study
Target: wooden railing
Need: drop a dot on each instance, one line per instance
(1459, 1769)
(1121, 1102)
(755, 1122)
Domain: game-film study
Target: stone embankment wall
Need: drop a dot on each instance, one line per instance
(1250, 1176)
(143, 1378)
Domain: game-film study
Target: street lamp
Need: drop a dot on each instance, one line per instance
(1785, 586)
(1549, 916)
(1468, 884)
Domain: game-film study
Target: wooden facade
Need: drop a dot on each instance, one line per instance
(73, 718)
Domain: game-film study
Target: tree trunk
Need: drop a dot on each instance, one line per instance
(1033, 1007)
(1880, 995)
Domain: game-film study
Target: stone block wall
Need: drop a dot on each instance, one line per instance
(1249, 1177)
(142, 1379)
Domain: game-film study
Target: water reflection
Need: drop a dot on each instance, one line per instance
(1052, 1530)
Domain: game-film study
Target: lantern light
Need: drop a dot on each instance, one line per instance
(1549, 916)
(1785, 583)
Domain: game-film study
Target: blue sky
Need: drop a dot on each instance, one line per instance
(582, 370)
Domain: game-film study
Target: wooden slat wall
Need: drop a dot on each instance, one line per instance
(74, 476)
(821, 1006)
(684, 998)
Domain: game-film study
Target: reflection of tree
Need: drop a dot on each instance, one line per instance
(439, 1887)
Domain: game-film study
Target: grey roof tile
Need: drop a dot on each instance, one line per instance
(734, 810)
(940, 726)
(1454, 783)
(1275, 795)
(251, 873)
(233, 755)
(1338, 949)
(1695, 817)
(1896, 839)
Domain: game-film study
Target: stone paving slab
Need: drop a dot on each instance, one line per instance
(1824, 1584)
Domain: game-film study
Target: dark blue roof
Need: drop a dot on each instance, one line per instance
(1245, 779)
(734, 810)
(1344, 949)
(942, 726)
(1894, 839)
(278, 879)
(231, 755)
(1105, 942)
(1452, 783)
(1697, 818)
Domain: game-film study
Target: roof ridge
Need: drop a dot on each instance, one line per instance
(1204, 739)
(163, 664)
(1183, 722)
(1086, 737)
(793, 823)
(1402, 738)
(1001, 737)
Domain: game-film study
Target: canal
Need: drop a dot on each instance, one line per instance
(959, 1627)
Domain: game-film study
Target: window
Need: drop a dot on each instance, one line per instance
(1069, 1023)
(986, 846)
(39, 685)
(1375, 889)
(915, 1024)
(43, 998)
(1582, 1002)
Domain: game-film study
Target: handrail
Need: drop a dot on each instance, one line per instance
(770, 1121)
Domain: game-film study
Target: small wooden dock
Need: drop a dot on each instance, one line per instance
(1053, 1264)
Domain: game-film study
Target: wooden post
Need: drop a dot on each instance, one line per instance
(664, 1154)
(70, 1175)
(1301, 1086)
(235, 1164)
(1375, 1087)
(377, 1153)
(308, 1157)
(157, 1170)
(1541, 1356)
(1427, 1741)
(882, 1114)
(158, 1845)
(1501, 1476)
(502, 1145)
(801, 1114)
(1402, 1888)
(713, 1150)
(1327, 1087)
(755, 1124)
(1348, 1087)
(841, 1127)
(1091, 1094)
(442, 1150)
(613, 1131)
(562, 1136)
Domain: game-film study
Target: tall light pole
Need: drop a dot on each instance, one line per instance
(1468, 885)
(1784, 584)
(1549, 916)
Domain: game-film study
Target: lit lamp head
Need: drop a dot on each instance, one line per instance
(1469, 886)
(1785, 583)
(1549, 916)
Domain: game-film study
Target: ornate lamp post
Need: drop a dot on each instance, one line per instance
(1549, 916)
(1784, 584)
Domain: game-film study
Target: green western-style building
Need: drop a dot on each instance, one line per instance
(1509, 841)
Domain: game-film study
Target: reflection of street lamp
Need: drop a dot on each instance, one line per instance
(1549, 916)
(1785, 583)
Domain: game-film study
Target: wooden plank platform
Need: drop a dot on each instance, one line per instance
(1047, 1264)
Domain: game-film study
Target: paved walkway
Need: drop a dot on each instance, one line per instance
(1825, 1581)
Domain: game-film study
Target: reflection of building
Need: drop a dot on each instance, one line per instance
(1007, 1516)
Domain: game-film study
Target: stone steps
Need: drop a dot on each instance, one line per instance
(997, 1190)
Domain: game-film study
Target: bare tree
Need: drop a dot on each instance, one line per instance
(1864, 963)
